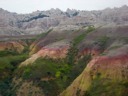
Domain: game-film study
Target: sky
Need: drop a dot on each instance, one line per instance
(28, 6)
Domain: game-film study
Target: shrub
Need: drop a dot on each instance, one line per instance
(8, 52)
(7, 65)
(90, 29)
(107, 87)
(43, 68)
(73, 51)
(102, 42)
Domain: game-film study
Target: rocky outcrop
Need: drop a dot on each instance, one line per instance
(106, 45)
(56, 44)
(56, 53)
(12, 45)
(40, 21)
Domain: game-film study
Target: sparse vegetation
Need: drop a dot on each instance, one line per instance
(107, 87)
(90, 28)
(73, 51)
(114, 47)
(8, 52)
(102, 42)
(53, 76)
(46, 71)
(42, 35)
(8, 64)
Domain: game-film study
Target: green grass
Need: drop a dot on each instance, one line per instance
(78, 39)
(60, 71)
(79, 67)
(106, 87)
(81, 37)
(8, 64)
(42, 68)
(90, 29)
(9, 60)
(8, 52)
(73, 51)
(46, 68)
(102, 42)
(42, 35)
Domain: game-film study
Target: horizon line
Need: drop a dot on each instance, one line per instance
(125, 5)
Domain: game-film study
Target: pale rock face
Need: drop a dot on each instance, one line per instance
(40, 21)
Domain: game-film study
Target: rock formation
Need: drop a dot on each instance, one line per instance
(40, 21)
(78, 53)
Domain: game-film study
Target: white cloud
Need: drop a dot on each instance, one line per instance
(27, 6)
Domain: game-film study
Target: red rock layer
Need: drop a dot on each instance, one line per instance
(12, 45)
(91, 51)
(113, 68)
(55, 53)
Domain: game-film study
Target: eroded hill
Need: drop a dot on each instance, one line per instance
(81, 54)
(85, 62)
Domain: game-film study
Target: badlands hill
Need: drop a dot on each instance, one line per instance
(40, 21)
(72, 53)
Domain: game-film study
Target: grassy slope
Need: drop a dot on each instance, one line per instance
(8, 63)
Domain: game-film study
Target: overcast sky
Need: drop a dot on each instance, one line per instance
(28, 6)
